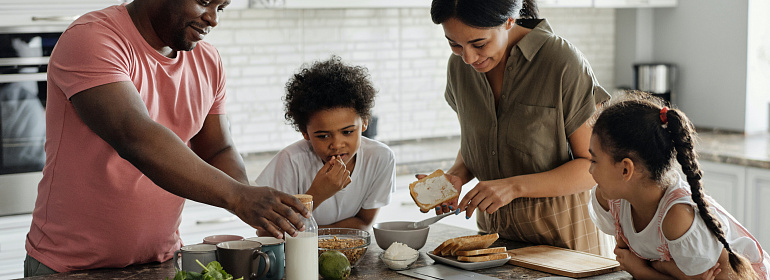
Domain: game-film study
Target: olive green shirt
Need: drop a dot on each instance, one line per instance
(548, 92)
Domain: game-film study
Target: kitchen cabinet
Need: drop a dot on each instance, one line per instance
(61, 13)
(726, 183)
(565, 3)
(48, 12)
(758, 194)
(743, 192)
(634, 3)
(339, 4)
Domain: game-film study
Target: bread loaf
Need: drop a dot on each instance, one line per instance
(465, 243)
(432, 190)
(483, 258)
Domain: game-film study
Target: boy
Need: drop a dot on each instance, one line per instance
(349, 176)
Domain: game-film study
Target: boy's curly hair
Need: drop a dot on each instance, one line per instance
(326, 85)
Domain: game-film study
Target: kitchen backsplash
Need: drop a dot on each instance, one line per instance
(405, 53)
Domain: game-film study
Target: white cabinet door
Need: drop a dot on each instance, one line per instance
(564, 3)
(339, 4)
(47, 12)
(726, 183)
(758, 206)
(634, 3)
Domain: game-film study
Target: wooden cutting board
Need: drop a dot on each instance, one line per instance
(560, 261)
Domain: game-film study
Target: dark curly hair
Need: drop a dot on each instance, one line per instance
(326, 85)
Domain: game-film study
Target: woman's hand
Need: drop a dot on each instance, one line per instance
(488, 196)
(451, 205)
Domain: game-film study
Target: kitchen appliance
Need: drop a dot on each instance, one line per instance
(24, 55)
(657, 79)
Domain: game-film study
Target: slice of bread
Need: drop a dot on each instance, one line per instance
(432, 190)
(481, 251)
(483, 258)
(465, 243)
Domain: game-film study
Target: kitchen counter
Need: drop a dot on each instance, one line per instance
(734, 148)
(369, 267)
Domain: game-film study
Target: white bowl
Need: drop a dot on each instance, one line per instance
(386, 233)
(399, 264)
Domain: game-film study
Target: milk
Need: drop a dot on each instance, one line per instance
(302, 256)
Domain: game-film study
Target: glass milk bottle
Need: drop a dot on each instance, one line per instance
(302, 251)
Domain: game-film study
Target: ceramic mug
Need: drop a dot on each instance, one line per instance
(274, 249)
(241, 258)
(216, 239)
(205, 253)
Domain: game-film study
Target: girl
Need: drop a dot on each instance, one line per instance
(349, 176)
(666, 227)
(523, 96)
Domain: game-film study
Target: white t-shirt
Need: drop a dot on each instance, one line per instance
(694, 252)
(293, 169)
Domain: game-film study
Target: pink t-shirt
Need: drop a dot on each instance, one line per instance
(94, 209)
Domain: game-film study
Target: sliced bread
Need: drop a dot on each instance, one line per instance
(432, 190)
(482, 258)
(481, 251)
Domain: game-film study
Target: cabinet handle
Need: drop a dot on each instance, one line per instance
(55, 18)
(217, 220)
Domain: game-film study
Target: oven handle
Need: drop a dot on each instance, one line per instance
(16, 61)
(56, 18)
(12, 78)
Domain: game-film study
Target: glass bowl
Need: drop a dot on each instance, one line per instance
(399, 263)
(352, 243)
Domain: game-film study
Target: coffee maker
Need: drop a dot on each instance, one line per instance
(657, 79)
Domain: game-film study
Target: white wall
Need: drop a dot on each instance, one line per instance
(405, 52)
(707, 39)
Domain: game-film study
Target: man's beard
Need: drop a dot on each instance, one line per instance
(179, 42)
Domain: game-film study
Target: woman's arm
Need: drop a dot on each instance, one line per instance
(362, 220)
(569, 178)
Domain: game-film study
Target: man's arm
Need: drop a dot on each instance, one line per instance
(214, 145)
(117, 114)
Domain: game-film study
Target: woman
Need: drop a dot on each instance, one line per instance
(523, 96)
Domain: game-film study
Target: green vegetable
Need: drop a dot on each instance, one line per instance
(212, 271)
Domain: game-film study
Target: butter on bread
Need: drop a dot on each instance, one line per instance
(465, 243)
(483, 258)
(432, 190)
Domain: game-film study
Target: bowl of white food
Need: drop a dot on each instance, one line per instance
(399, 256)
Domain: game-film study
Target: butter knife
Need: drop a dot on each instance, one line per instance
(431, 220)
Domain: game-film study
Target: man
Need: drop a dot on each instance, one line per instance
(135, 124)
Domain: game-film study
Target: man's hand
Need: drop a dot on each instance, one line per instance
(333, 177)
(270, 211)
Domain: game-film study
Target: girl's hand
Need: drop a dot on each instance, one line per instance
(711, 274)
(630, 262)
(452, 204)
(488, 196)
(332, 177)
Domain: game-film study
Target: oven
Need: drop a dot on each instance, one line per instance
(24, 54)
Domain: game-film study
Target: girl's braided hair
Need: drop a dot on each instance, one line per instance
(632, 127)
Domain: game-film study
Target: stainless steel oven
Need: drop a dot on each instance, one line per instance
(24, 54)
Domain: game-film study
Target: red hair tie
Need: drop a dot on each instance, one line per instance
(663, 116)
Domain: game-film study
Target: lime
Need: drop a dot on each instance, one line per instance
(333, 265)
